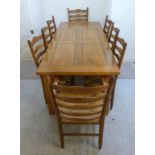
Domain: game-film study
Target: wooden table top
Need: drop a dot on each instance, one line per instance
(79, 49)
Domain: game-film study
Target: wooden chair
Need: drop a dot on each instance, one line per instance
(46, 36)
(80, 105)
(118, 53)
(52, 26)
(107, 27)
(113, 37)
(37, 49)
(78, 15)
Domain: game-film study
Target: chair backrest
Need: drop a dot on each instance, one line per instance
(107, 26)
(37, 48)
(82, 105)
(52, 26)
(113, 37)
(46, 36)
(119, 51)
(78, 15)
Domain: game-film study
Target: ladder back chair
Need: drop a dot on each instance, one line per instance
(46, 36)
(78, 15)
(38, 50)
(107, 27)
(113, 37)
(52, 26)
(118, 53)
(81, 105)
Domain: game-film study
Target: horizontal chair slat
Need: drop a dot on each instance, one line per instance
(93, 122)
(79, 119)
(108, 22)
(116, 55)
(121, 41)
(36, 39)
(113, 36)
(98, 115)
(47, 36)
(118, 49)
(50, 22)
(79, 106)
(40, 55)
(80, 112)
(80, 89)
(52, 28)
(81, 134)
(111, 41)
(78, 15)
(78, 99)
(77, 19)
(45, 28)
(37, 47)
(77, 11)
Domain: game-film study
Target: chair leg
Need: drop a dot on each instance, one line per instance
(112, 96)
(44, 90)
(101, 128)
(61, 135)
(112, 99)
(47, 94)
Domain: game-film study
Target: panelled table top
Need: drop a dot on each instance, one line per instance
(79, 49)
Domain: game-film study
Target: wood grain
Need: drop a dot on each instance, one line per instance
(79, 49)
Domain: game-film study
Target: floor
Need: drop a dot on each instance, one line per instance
(39, 131)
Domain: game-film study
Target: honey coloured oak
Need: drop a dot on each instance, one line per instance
(113, 37)
(77, 15)
(79, 49)
(38, 50)
(46, 36)
(82, 105)
(52, 26)
(107, 27)
(118, 52)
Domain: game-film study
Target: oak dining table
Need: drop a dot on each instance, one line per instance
(77, 49)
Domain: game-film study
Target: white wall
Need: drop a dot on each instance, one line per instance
(122, 13)
(31, 17)
(37, 13)
(108, 5)
(58, 8)
(25, 23)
